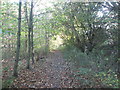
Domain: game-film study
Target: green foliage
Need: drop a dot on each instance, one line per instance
(83, 71)
(7, 83)
(76, 56)
(5, 69)
(94, 65)
(108, 78)
(90, 39)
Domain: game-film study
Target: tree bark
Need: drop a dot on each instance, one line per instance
(31, 21)
(30, 37)
(15, 73)
(27, 24)
(118, 45)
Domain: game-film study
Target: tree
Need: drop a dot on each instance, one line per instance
(26, 18)
(31, 24)
(30, 37)
(15, 73)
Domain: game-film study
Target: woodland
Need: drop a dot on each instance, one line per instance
(60, 44)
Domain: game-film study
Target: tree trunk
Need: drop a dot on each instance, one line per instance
(30, 37)
(26, 43)
(118, 44)
(31, 22)
(26, 34)
(46, 42)
(15, 73)
(29, 47)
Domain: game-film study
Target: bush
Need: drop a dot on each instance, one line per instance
(95, 65)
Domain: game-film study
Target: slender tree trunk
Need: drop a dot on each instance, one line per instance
(118, 45)
(26, 13)
(28, 24)
(31, 22)
(46, 42)
(28, 61)
(26, 43)
(26, 35)
(29, 45)
(15, 73)
(30, 37)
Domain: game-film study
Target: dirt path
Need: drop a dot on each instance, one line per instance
(54, 73)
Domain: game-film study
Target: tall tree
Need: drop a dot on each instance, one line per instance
(15, 73)
(26, 34)
(30, 37)
(31, 24)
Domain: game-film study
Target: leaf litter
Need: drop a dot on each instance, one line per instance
(54, 72)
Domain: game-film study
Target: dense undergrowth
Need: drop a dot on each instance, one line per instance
(93, 66)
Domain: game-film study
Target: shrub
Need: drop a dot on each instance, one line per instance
(95, 65)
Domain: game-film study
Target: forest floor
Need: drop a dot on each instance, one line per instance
(55, 72)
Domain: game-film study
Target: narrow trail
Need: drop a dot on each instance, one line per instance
(53, 73)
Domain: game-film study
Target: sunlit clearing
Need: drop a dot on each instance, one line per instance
(56, 42)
